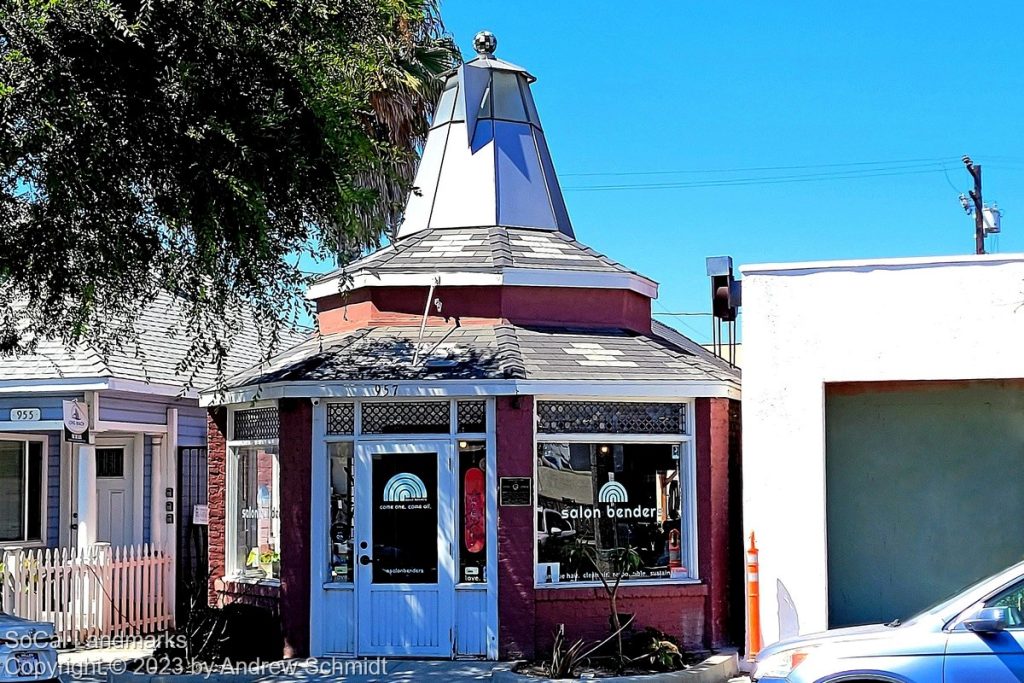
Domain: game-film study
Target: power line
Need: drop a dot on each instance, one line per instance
(744, 169)
(770, 180)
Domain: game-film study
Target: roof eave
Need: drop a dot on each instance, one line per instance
(419, 388)
(93, 383)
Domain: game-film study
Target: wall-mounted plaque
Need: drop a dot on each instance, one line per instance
(515, 491)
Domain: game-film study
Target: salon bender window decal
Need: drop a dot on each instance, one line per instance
(606, 417)
(404, 518)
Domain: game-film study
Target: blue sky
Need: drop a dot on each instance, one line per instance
(700, 88)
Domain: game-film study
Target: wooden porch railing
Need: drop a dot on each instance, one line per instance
(102, 591)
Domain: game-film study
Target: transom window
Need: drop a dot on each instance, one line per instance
(408, 417)
(608, 417)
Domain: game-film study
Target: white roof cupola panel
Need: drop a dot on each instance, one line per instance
(486, 161)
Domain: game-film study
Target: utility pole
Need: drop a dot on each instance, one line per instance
(979, 213)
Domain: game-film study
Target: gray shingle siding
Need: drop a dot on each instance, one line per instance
(475, 250)
(53, 489)
(147, 487)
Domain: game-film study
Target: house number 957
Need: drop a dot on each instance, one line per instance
(385, 389)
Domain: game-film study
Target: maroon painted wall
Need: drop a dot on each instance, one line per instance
(296, 449)
(615, 308)
(516, 608)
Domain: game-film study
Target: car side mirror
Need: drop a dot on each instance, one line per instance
(555, 531)
(988, 620)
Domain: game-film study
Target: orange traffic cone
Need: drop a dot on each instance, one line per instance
(753, 602)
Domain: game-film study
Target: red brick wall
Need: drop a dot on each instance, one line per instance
(216, 444)
(676, 610)
(713, 434)
(296, 447)
(516, 608)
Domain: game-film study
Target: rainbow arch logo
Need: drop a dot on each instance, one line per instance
(612, 492)
(404, 486)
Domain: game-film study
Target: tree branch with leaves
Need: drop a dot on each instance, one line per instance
(202, 148)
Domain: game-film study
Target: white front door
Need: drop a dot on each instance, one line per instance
(115, 494)
(405, 567)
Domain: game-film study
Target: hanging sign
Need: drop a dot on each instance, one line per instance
(76, 422)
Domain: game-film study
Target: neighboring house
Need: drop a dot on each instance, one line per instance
(144, 467)
(395, 488)
(883, 431)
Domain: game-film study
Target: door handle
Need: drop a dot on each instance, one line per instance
(365, 559)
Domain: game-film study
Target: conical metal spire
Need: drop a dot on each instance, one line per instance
(486, 161)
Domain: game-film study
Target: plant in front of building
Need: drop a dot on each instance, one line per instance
(655, 649)
(610, 565)
(566, 659)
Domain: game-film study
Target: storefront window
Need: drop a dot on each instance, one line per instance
(472, 512)
(596, 499)
(21, 490)
(341, 511)
(257, 513)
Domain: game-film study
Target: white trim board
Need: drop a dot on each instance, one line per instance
(38, 426)
(469, 388)
(881, 263)
(75, 384)
(513, 277)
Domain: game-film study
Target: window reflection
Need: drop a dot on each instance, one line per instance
(257, 513)
(341, 511)
(607, 496)
(472, 512)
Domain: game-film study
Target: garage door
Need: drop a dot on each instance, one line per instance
(924, 492)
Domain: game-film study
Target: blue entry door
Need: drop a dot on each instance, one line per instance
(404, 554)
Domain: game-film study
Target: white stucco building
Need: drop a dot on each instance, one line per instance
(883, 410)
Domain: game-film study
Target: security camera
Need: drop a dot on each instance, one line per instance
(315, 401)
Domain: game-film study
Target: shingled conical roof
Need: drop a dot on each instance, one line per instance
(486, 162)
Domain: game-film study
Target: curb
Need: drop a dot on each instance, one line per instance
(714, 669)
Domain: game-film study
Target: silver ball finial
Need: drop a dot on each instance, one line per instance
(485, 43)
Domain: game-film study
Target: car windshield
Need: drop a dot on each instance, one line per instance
(942, 606)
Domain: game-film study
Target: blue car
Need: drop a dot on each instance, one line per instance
(976, 636)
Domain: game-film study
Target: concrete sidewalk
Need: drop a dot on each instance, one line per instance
(109, 666)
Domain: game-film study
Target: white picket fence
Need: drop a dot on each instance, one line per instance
(101, 591)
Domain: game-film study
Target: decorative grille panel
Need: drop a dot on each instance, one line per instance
(425, 417)
(472, 417)
(341, 418)
(256, 424)
(594, 417)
